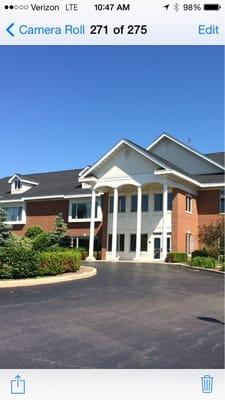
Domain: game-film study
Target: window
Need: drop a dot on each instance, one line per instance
(168, 245)
(189, 203)
(133, 242)
(120, 242)
(170, 201)
(134, 203)
(111, 204)
(110, 242)
(158, 201)
(17, 184)
(222, 201)
(122, 204)
(144, 242)
(145, 202)
(82, 210)
(13, 213)
(189, 244)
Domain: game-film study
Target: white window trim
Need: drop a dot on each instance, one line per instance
(84, 200)
(222, 196)
(14, 205)
(188, 211)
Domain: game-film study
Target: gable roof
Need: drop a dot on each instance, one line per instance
(23, 179)
(59, 183)
(203, 156)
(217, 157)
(165, 165)
(162, 163)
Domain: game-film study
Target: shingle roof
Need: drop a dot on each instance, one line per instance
(65, 183)
(202, 178)
(217, 157)
(49, 184)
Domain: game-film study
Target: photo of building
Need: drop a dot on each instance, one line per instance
(134, 203)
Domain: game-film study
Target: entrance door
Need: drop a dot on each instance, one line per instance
(157, 248)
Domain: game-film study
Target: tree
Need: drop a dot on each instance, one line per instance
(33, 231)
(5, 229)
(60, 228)
(212, 237)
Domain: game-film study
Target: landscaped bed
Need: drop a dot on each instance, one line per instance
(198, 260)
(20, 263)
(38, 254)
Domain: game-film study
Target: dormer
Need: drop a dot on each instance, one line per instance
(20, 185)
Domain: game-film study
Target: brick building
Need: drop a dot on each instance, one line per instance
(135, 203)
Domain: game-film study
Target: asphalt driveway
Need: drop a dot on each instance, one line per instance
(128, 316)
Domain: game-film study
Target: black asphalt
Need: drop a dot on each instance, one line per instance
(128, 316)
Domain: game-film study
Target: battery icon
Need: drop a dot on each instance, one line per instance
(212, 7)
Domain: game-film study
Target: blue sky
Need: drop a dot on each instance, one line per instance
(63, 107)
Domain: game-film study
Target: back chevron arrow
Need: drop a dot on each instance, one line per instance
(9, 29)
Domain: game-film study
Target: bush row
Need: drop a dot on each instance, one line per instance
(19, 262)
(203, 262)
(176, 257)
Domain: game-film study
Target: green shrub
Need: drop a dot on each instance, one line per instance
(223, 267)
(43, 241)
(83, 253)
(53, 263)
(18, 262)
(176, 257)
(33, 231)
(200, 253)
(20, 242)
(97, 255)
(203, 262)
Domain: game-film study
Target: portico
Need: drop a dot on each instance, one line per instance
(139, 215)
(140, 222)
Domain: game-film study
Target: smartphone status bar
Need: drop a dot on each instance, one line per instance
(134, 22)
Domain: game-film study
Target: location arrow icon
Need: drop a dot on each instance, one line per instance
(166, 7)
(9, 29)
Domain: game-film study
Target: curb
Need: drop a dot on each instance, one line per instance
(158, 262)
(83, 273)
(200, 268)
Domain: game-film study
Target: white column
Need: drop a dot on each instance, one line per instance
(138, 234)
(164, 227)
(92, 228)
(115, 218)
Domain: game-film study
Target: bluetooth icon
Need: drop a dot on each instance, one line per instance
(176, 7)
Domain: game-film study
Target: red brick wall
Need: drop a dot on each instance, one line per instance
(183, 222)
(208, 207)
(43, 213)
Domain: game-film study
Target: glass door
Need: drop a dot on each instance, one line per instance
(157, 248)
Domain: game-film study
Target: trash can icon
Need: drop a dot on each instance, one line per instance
(207, 384)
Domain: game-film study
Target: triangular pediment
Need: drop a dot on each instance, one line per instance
(183, 156)
(126, 158)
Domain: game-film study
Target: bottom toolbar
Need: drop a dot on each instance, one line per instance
(112, 384)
